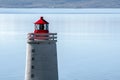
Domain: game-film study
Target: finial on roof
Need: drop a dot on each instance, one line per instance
(41, 17)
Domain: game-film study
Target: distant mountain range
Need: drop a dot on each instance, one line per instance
(59, 3)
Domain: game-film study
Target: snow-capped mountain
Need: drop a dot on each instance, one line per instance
(60, 3)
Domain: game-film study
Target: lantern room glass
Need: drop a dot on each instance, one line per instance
(41, 26)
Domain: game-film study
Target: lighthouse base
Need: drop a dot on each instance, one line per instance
(41, 63)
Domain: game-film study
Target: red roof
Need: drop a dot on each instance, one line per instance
(41, 21)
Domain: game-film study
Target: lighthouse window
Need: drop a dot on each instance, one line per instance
(32, 76)
(46, 26)
(33, 67)
(33, 50)
(33, 58)
(41, 27)
(36, 27)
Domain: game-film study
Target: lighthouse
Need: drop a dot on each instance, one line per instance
(41, 57)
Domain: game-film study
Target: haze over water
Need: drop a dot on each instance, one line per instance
(88, 44)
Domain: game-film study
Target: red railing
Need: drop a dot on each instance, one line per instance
(45, 36)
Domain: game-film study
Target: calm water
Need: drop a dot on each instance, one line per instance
(88, 42)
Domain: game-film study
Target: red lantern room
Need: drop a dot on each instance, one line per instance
(41, 26)
(41, 32)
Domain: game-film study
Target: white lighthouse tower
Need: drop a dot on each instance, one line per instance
(41, 63)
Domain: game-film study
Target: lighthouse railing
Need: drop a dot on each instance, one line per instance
(42, 36)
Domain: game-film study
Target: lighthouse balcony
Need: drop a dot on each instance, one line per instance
(42, 36)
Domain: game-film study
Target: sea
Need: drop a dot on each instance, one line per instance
(88, 41)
